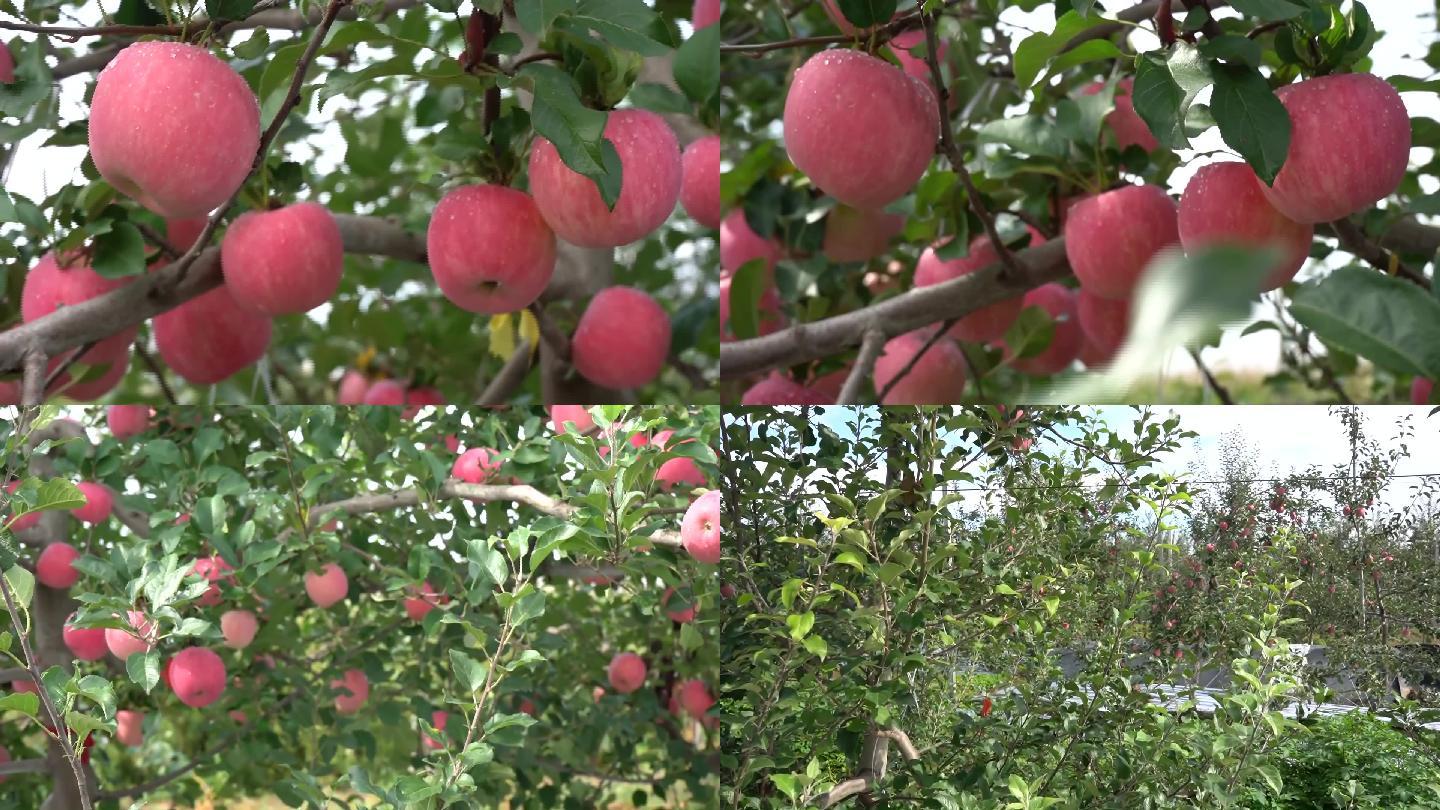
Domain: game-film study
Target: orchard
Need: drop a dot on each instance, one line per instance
(506, 608)
(387, 202)
(990, 607)
(1053, 200)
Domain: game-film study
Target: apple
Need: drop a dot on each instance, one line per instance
(1111, 237)
(54, 567)
(1420, 390)
(417, 398)
(239, 628)
(438, 720)
(98, 502)
(695, 697)
(1225, 203)
(211, 337)
(705, 13)
(25, 521)
(125, 643)
(352, 389)
(649, 186)
(1126, 124)
(7, 76)
(700, 528)
(739, 245)
(476, 466)
(85, 643)
(354, 691)
(578, 414)
(767, 309)
(917, 66)
(779, 389)
(627, 672)
(197, 676)
(527, 706)
(679, 471)
(1105, 322)
(173, 127)
(386, 392)
(989, 322)
(327, 586)
(64, 281)
(832, 10)
(214, 569)
(938, 377)
(700, 184)
(129, 727)
(858, 235)
(680, 615)
(422, 600)
(283, 261)
(622, 339)
(1332, 169)
(490, 249)
(127, 420)
(861, 129)
(113, 370)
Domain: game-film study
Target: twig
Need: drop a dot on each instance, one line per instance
(151, 235)
(73, 33)
(32, 384)
(695, 376)
(1165, 24)
(1210, 380)
(1354, 240)
(509, 379)
(870, 347)
(155, 369)
(54, 376)
(549, 334)
(1265, 28)
(882, 34)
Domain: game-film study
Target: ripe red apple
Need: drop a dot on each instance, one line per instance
(622, 339)
(422, 600)
(679, 471)
(987, 323)
(173, 127)
(417, 398)
(476, 466)
(489, 248)
(327, 586)
(705, 13)
(695, 697)
(861, 129)
(239, 628)
(197, 676)
(739, 244)
(64, 281)
(858, 235)
(1059, 301)
(1333, 169)
(53, 567)
(649, 186)
(1105, 323)
(214, 569)
(125, 643)
(284, 261)
(578, 414)
(354, 691)
(938, 378)
(627, 672)
(438, 720)
(679, 615)
(127, 420)
(1111, 237)
(700, 187)
(779, 389)
(767, 309)
(184, 232)
(7, 76)
(211, 337)
(1224, 203)
(386, 392)
(352, 389)
(27, 521)
(1126, 124)
(85, 643)
(916, 66)
(700, 528)
(527, 706)
(130, 727)
(98, 502)
(115, 367)
(1420, 390)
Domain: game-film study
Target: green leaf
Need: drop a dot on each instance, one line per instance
(816, 646)
(1233, 48)
(800, 624)
(575, 130)
(119, 252)
(622, 23)
(746, 287)
(1027, 134)
(16, 208)
(866, 13)
(468, 671)
(23, 702)
(537, 15)
(1036, 50)
(58, 493)
(1252, 120)
(1166, 84)
(697, 64)
(1376, 316)
(229, 9)
(22, 585)
(144, 669)
(1268, 10)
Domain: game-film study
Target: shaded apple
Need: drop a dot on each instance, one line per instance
(438, 720)
(938, 377)
(489, 248)
(989, 322)
(65, 281)
(740, 245)
(7, 76)
(675, 607)
(622, 339)
(578, 414)
(211, 337)
(476, 466)
(779, 389)
(1225, 204)
(700, 187)
(239, 628)
(127, 420)
(626, 672)
(901, 45)
(695, 697)
(858, 235)
(1105, 323)
(422, 600)
(1110, 238)
(768, 312)
(136, 639)
(705, 13)
(1127, 126)
(25, 521)
(215, 570)
(54, 567)
(1421, 390)
(283, 261)
(354, 691)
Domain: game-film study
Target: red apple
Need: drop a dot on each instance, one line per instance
(354, 691)
(489, 248)
(695, 697)
(352, 389)
(173, 127)
(622, 339)
(239, 628)
(857, 235)
(1105, 323)
(1334, 169)
(138, 639)
(98, 502)
(476, 466)
(739, 245)
(578, 414)
(650, 184)
(327, 586)
(1127, 125)
(1224, 203)
(700, 528)
(421, 601)
(386, 392)
(54, 569)
(677, 471)
(85, 643)
(1420, 390)
(211, 337)
(184, 232)
(65, 281)
(284, 261)
(679, 615)
(779, 389)
(197, 676)
(938, 378)
(987, 323)
(861, 129)
(129, 727)
(705, 13)
(127, 420)
(627, 672)
(214, 569)
(7, 76)
(1111, 237)
(700, 187)
(417, 398)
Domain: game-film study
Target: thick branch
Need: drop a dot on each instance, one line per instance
(23, 766)
(870, 348)
(1353, 239)
(509, 378)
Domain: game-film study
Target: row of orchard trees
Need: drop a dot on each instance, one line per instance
(422, 608)
(915, 586)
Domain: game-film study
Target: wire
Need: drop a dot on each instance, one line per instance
(1300, 478)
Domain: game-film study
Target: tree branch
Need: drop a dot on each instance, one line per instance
(509, 378)
(870, 347)
(23, 766)
(1210, 380)
(1353, 239)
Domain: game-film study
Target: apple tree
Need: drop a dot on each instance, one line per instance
(479, 609)
(1001, 200)
(388, 202)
